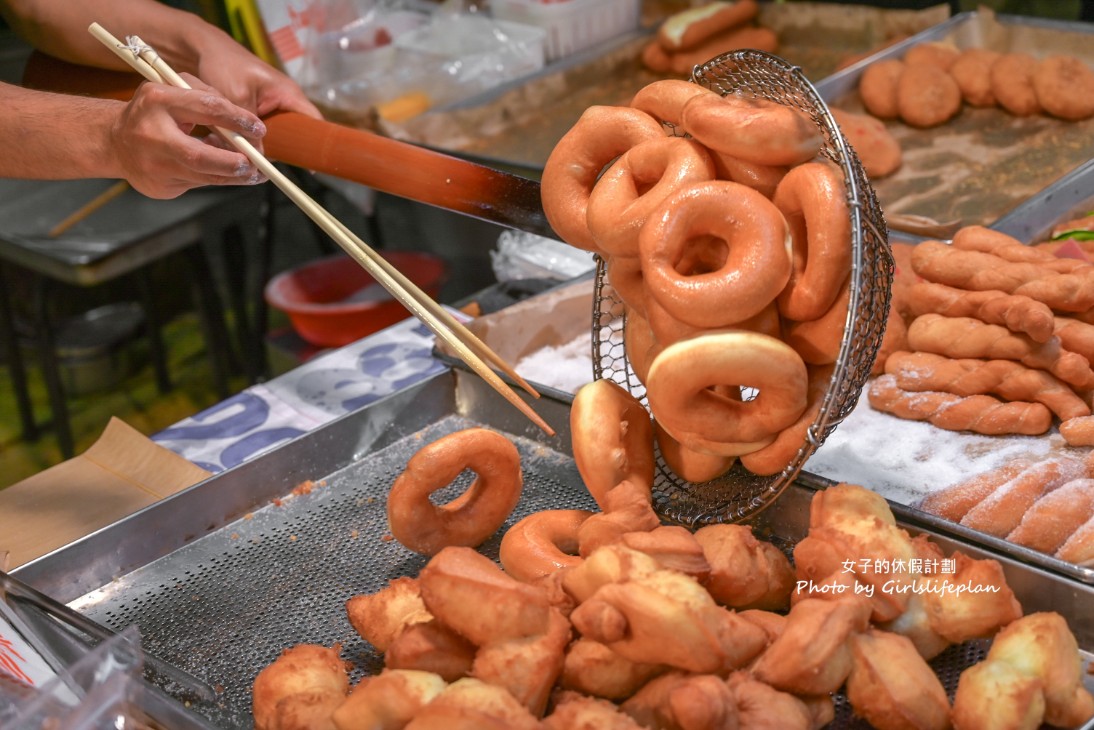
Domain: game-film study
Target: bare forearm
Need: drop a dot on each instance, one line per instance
(60, 29)
(52, 136)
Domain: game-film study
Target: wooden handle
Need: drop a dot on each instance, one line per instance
(406, 170)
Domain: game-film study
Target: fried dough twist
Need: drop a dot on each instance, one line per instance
(1016, 313)
(1010, 380)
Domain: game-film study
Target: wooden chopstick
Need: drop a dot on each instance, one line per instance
(89, 207)
(147, 62)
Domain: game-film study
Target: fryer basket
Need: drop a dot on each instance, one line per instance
(738, 495)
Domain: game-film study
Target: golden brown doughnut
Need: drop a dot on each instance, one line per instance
(1079, 546)
(746, 573)
(612, 438)
(818, 341)
(932, 53)
(624, 274)
(694, 466)
(878, 88)
(754, 130)
(1065, 87)
(682, 374)
(636, 184)
(640, 344)
(877, 149)
(1012, 84)
(664, 100)
(927, 96)
(972, 72)
(389, 699)
(813, 199)
(891, 685)
(471, 518)
(301, 688)
(777, 455)
(601, 134)
(756, 267)
(763, 178)
(541, 543)
(593, 669)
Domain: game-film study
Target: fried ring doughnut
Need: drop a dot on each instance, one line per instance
(682, 376)
(541, 543)
(1065, 87)
(819, 341)
(640, 344)
(757, 264)
(877, 86)
(694, 466)
(927, 96)
(664, 100)
(601, 134)
(612, 438)
(469, 519)
(625, 276)
(972, 72)
(1012, 84)
(777, 455)
(764, 178)
(813, 200)
(754, 130)
(635, 185)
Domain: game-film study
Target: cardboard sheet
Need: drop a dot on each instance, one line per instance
(119, 474)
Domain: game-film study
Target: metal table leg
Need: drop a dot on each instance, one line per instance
(47, 353)
(15, 364)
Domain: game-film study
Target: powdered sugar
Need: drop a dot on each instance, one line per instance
(905, 460)
(565, 367)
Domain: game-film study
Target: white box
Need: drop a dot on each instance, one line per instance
(572, 25)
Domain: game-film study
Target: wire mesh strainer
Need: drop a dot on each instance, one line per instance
(739, 494)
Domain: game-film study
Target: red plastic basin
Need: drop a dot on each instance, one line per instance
(333, 301)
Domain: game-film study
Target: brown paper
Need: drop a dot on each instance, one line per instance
(119, 474)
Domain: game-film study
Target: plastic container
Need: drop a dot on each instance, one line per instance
(468, 54)
(572, 25)
(333, 301)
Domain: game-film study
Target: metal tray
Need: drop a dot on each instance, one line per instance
(982, 164)
(1070, 197)
(223, 576)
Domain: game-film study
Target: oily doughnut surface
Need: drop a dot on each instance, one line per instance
(683, 375)
(1064, 86)
(878, 88)
(612, 439)
(756, 265)
(469, 519)
(754, 130)
(813, 200)
(542, 543)
(601, 134)
(664, 99)
(927, 96)
(636, 184)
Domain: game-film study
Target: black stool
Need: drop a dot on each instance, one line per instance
(122, 239)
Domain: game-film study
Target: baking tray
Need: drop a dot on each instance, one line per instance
(1069, 198)
(222, 577)
(982, 164)
(516, 125)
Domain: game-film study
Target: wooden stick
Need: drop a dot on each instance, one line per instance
(89, 207)
(410, 297)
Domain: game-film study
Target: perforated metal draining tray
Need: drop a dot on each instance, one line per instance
(273, 568)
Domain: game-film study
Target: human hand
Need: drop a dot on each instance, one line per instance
(158, 155)
(250, 82)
